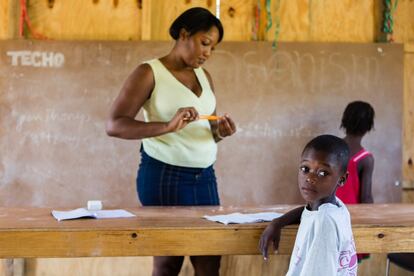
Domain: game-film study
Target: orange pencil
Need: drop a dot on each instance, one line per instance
(209, 117)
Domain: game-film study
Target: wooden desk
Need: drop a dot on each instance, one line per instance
(33, 232)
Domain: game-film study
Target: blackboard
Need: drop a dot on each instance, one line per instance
(55, 97)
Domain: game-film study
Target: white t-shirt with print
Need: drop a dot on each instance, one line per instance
(324, 243)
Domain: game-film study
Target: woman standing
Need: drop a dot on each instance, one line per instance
(178, 147)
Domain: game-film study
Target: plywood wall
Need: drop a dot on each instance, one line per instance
(9, 17)
(404, 21)
(131, 19)
(299, 20)
(4, 19)
(408, 123)
(408, 153)
(160, 16)
(87, 20)
(404, 33)
(323, 20)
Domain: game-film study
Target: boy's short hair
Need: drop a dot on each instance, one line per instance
(332, 145)
(358, 118)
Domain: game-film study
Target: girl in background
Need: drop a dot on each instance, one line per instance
(358, 120)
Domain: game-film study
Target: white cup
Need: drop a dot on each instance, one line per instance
(94, 205)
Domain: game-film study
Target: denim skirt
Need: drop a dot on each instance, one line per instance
(161, 184)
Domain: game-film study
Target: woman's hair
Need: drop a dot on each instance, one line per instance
(331, 145)
(194, 20)
(358, 118)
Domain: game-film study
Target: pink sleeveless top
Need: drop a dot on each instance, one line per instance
(350, 192)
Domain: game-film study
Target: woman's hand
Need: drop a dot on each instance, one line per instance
(270, 235)
(183, 117)
(226, 126)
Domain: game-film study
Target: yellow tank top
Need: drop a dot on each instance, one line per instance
(194, 145)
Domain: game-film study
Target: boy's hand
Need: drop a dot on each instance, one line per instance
(270, 235)
(272, 232)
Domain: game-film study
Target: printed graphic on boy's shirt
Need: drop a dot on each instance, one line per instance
(298, 258)
(348, 259)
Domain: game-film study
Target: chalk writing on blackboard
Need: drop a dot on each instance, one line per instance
(36, 58)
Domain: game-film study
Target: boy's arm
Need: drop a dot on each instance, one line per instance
(367, 169)
(272, 232)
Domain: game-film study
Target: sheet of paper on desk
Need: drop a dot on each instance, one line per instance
(84, 213)
(244, 218)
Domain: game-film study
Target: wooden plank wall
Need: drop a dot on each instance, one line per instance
(299, 20)
(9, 14)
